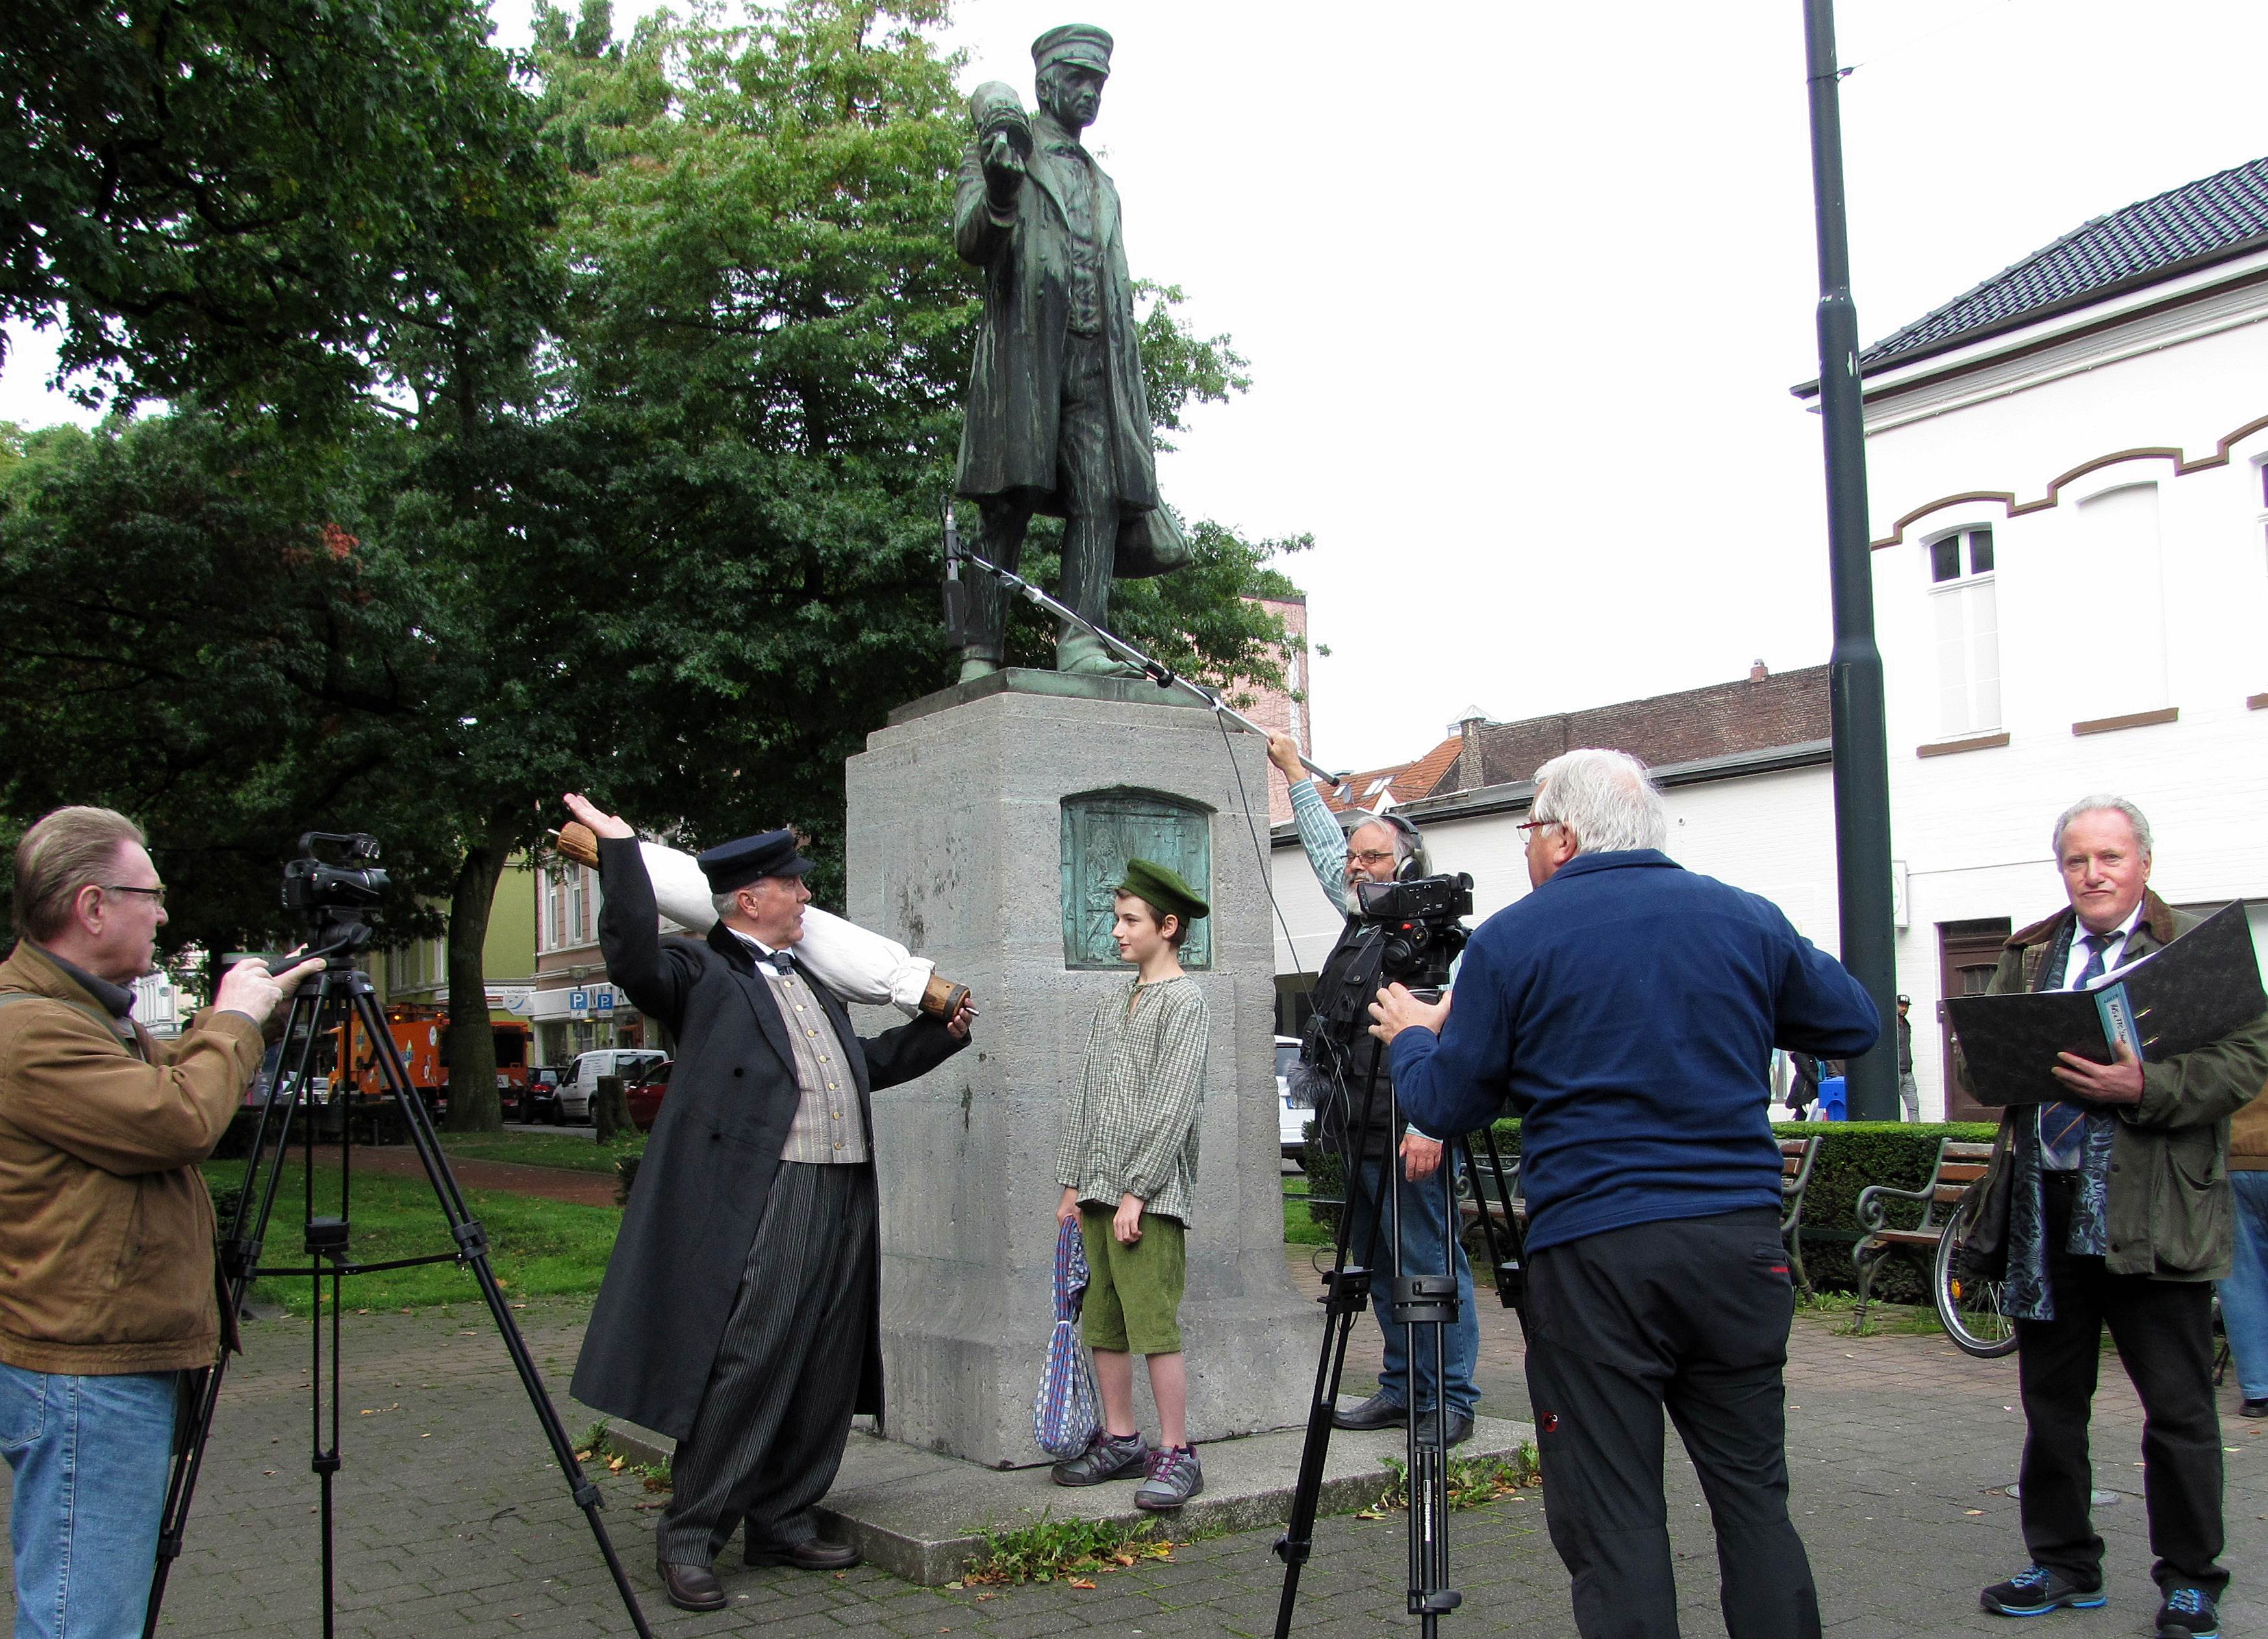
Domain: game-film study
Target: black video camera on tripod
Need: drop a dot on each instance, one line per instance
(1410, 933)
(331, 897)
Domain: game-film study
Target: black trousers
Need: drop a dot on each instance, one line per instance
(2164, 1333)
(767, 1439)
(1689, 1315)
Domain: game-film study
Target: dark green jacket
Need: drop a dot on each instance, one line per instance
(2168, 1207)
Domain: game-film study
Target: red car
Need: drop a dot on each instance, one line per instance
(644, 1095)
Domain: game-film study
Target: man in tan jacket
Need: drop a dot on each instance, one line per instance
(2244, 1289)
(107, 1283)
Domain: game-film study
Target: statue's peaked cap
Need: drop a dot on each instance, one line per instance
(1082, 43)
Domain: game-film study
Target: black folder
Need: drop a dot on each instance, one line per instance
(2195, 991)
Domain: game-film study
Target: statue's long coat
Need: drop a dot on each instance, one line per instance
(1008, 442)
(708, 1168)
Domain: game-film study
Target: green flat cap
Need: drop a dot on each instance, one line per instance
(1082, 43)
(1163, 887)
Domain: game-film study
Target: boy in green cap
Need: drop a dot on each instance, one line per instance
(1126, 1154)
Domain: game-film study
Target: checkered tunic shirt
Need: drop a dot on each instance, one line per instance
(1130, 1125)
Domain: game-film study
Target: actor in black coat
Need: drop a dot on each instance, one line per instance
(709, 1167)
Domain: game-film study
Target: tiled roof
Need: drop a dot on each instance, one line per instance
(1404, 782)
(2210, 217)
(1753, 714)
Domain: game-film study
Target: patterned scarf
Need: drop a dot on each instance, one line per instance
(2029, 1295)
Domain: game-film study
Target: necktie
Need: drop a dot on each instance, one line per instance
(2063, 1124)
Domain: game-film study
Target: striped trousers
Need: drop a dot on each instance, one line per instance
(767, 1439)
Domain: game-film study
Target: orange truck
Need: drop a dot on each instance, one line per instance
(421, 1035)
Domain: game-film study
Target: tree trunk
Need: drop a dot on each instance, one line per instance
(610, 1111)
(474, 1106)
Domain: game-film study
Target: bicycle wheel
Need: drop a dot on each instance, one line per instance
(1969, 1309)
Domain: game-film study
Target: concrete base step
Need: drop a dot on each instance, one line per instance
(922, 1515)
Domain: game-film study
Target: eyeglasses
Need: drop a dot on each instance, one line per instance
(157, 893)
(1536, 824)
(1372, 856)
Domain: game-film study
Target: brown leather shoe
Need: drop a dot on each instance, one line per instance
(692, 1587)
(813, 1554)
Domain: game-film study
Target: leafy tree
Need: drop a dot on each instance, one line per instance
(276, 203)
(190, 634)
(649, 506)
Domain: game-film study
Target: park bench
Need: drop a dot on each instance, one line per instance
(1959, 1165)
(1796, 1156)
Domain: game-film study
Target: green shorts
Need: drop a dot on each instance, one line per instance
(1133, 1293)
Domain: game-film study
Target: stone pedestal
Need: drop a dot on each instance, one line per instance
(957, 844)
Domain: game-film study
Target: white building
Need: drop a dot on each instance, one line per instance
(2068, 475)
(1744, 766)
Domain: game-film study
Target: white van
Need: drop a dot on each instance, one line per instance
(581, 1085)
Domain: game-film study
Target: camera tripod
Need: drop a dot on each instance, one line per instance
(1427, 1301)
(343, 998)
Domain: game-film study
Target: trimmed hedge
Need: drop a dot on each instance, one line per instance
(1855, 1154)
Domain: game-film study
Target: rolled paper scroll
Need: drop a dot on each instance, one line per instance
(854, 963)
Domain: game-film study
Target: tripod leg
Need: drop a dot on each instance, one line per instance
(1426, 1304)
(1296, 1544)
(240, 1254)
(1346, 1294)
(473, 1250)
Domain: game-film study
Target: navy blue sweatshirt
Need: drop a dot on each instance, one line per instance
(1628, 1008)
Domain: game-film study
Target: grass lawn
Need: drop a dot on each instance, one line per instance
(573, 1148)
(539, 1248)
(1299, 1228)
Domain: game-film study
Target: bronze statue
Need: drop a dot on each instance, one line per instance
(1057, 419)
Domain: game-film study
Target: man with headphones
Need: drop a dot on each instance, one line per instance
(1378, 849)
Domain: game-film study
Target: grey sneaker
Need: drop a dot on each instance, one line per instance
(1104, 1458)
(1176, 1476)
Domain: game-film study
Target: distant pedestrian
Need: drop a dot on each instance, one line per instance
(1909, 1094)
(1126, 1156)
(1803, 1090)
(2244, 1291)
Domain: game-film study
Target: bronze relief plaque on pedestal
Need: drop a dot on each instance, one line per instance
(1102, 831)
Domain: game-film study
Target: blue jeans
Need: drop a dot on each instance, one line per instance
(1424, 1216)
(92, 1457)
(2244, 1294)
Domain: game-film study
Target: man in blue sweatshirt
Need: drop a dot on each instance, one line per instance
(1628, 1009)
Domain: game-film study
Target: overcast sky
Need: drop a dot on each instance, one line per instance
(1524, 288)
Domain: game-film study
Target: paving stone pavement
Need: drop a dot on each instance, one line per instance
(453, 1525)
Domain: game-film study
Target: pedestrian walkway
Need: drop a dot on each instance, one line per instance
(453, 1525)
(583, 1189)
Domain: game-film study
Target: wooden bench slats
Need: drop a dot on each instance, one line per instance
(1959, 1164)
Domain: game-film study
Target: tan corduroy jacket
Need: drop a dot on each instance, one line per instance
(2248, 1137)
(106, 1230)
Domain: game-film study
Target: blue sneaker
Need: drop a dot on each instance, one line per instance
(2189, 1614)
(2036, 1591)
